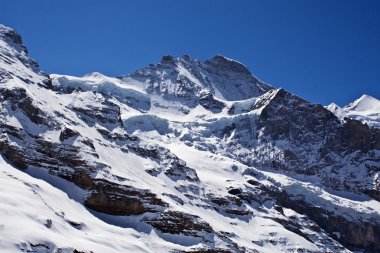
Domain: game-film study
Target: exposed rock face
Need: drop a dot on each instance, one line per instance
(208, 101)
(113, 199)
(294, 136)
(34, 151)
(18, 100)
(230, 205)
(67, 133)
(227, 75)
(180, 223)
(204, 153)
(290, 119)
(105, 113)
(364, 235)
(359, 136)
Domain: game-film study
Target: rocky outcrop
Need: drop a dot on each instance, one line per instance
(18, 100)
(111, 198)
(173, 222)
(68, 133)
(173, 167)
(229, 205)
(105, 113)
(36, 151)
(208, 101)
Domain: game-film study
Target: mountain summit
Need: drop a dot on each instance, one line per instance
(187, 79)
(365, 109)
(180, 156)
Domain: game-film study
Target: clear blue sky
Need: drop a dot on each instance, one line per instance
(323, 51)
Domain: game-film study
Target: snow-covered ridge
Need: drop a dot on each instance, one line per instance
(365, 109)
(182, 86)
(128, 93)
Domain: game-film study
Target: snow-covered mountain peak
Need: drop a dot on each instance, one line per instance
(365, 103)
(183, 79)
(336, 109)
(365, 109)
(7, 32)
(13, 40)
(15, 60)
(187, 59)
(333, 106)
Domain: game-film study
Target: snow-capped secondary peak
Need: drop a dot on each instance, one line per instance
(336, 109)
(333, 106)
(365, 103)
(365, 109)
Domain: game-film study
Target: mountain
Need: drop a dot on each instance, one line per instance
(180, 156)
(365, 109)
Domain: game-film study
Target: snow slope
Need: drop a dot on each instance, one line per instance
(37, 217)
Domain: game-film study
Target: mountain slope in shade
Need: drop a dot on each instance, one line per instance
(180, 156)
(365, 109)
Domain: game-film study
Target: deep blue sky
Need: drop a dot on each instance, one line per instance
(323, 51)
